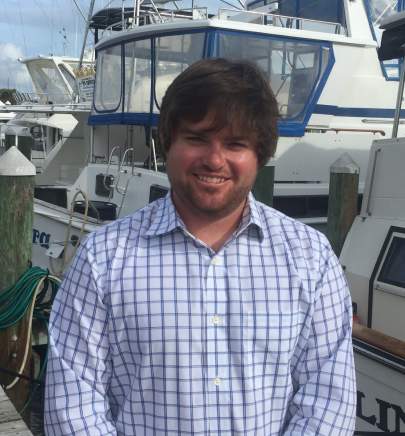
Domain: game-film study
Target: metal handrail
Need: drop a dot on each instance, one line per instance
(120, 190)
(368, 209)
(107, 173)
(289, 20)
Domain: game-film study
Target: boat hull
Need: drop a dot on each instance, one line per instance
(380, 390)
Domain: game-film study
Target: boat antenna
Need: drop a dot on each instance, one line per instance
(400, 95)
(80, 11)
(86, 32)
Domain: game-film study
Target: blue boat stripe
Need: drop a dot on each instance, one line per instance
(326, 109)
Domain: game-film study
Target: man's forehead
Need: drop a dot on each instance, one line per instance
(210, 124)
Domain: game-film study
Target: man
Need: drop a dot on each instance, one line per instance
(206, 312)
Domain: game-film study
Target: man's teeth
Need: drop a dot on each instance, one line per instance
(210, 179)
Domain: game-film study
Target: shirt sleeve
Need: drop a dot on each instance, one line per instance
(324, 401)
(79, 368)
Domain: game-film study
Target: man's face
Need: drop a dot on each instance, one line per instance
(211, 171)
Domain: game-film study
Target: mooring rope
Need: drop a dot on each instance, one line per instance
(34, 291)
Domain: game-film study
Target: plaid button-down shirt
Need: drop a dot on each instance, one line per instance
(153, 333)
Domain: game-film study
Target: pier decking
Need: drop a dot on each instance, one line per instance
(11, 423)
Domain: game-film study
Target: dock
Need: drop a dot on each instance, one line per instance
(11, 423)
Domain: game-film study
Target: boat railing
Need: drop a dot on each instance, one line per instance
(159, 16)
(284, 21)
(42, 98)
(379, 340)
(46, 108)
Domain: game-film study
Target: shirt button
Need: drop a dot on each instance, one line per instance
(215, 261)
(216, 319)
(217, 381)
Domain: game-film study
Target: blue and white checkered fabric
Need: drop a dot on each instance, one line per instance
(152, 333)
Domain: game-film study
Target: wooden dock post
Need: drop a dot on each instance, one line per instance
(343, 200)
(16, 216)
(264, 186)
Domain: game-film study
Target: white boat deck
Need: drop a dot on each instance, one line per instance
(11, 423)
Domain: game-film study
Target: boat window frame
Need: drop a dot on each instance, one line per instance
(384, 66)
(120, 103)
(209, 36)
(68, 77)
(123, 90)
(381, 283)
(374, 282)
(303, 116)
(288, 127)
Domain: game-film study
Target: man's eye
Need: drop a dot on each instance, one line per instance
(193, 138)
(237, 145)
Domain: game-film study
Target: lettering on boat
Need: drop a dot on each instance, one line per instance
(41, 238)
(384, 415)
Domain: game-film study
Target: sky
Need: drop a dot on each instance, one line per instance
(32, 27)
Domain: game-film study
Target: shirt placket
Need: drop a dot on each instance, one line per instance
(215, 336)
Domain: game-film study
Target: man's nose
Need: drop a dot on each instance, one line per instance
(215, 155)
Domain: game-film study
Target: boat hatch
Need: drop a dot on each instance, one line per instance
(132, 76)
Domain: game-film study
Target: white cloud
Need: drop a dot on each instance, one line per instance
(13, 74)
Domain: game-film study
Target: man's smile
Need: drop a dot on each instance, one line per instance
(215, 180)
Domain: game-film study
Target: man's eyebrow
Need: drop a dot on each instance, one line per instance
(237, 138)
(191, 130)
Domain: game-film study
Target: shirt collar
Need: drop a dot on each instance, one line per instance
(252, 217)
(166, 218)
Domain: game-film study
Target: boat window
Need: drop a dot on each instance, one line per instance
(174, 53)
(48, 82)
(157, 191)
(69, 77)
(137, 73)
(393, 271)
(293, 68)
(378, 10)
(108, 79)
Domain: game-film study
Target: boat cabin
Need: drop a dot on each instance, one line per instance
(321, 62)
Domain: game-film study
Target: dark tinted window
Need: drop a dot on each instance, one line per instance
(156, 192)
(393, 269)
(331, 10)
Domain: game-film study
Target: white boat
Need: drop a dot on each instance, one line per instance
(373, 257)
(321, 59)
(55, 80)
(5, 117)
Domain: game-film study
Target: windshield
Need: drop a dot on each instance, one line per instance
(379, 10)
(296, 69)
(48, 82)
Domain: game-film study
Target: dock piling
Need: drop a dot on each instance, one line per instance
(16, 216)
(343, 200)
(264, 186)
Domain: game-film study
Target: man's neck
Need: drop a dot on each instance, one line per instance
(213, 231)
